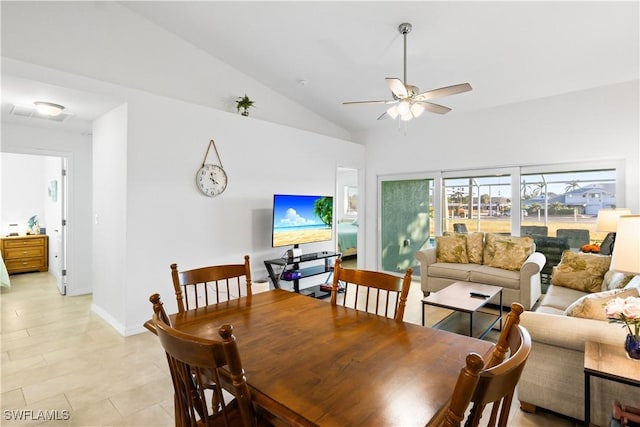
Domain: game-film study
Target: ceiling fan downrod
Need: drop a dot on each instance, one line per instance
(405, 28)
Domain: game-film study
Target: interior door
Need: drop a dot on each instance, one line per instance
(406, 222)
(59, 231)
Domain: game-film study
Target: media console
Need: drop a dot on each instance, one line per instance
(292, 272)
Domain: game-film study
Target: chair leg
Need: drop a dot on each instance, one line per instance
(528, 407)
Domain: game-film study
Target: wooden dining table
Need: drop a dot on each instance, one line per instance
(308, 362)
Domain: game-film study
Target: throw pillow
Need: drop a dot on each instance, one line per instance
(506, 252)
(591, 306)
(615, 280)
(475, 247)
(634, 283)
(452, 248)
(583, 272)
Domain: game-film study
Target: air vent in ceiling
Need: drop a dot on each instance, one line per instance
(31, 112)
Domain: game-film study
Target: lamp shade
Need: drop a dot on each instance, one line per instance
(608, 218)
(626, 254)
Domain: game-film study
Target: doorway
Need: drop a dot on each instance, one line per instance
(346, 213)
(35, 186)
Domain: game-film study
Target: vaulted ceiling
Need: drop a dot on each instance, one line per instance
(320, 54)
(508, 51)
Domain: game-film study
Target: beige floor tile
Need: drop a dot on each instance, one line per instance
(12, 399)
(57, 355)
(138, 398)
(153, 415)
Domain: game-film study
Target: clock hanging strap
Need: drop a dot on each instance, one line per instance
(217, 154)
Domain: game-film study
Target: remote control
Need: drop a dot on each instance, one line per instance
(478, 295)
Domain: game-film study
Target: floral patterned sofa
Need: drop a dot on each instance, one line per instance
(571, 313)
(493, 259)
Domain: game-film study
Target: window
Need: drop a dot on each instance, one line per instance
(568, 200)
(477, 203)
(547, 198)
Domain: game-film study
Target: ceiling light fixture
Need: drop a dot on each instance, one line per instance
(48, 108)
(408, 102)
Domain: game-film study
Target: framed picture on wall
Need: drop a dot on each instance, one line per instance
(351, 200)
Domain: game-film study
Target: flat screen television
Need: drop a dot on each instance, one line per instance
(301, 219)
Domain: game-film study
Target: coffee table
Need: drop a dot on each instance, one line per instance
(457, 297)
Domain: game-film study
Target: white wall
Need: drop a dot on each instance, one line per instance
(591, 125)
(110, 264)
(168, 220)
(23, 190)
(77, 149)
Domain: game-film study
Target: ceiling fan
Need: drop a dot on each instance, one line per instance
(407, 101)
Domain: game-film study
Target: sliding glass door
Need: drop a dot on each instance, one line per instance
(406, 222)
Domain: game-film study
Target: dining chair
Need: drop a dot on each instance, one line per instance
(460, 227)
(493, 385)
(389, 292)
(191, 360)
(534, 230)
(225, 282)
(158, 307)
(575, 237)
(502, 345)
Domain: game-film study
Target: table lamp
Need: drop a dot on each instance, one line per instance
(608, 221)
(626, 256)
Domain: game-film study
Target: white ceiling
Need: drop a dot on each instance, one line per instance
(508, 51)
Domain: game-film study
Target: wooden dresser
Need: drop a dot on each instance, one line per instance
(26, 253)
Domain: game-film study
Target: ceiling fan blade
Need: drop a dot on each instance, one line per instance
(369, 102)
(443, 91)
(435, 108)
(397, 87)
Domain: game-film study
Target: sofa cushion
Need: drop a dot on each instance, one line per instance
(583, 272)
(447, 270)
(506, 252)
(591, 306)
(550, 310)
(634, 283)
(560, 297)
(452, 248)
(615, 280)
(475, 247)
(495, 276)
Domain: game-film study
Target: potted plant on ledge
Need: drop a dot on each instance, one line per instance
(244, 103)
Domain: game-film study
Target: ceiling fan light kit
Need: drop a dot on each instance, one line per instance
(408, 102)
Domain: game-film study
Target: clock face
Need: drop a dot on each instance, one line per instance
(211, 180)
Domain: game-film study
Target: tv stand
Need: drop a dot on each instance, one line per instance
(292, 272)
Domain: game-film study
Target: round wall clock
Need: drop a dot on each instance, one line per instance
(211, 179)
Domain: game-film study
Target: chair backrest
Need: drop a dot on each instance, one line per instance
(386, 294)
(158, 308)
(460, 227)
(493, 385)
(224, 282)
(502, 345)
(575, 237)
(191, 361)
(534, 230)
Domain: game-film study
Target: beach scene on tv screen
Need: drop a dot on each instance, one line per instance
(301, 219)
